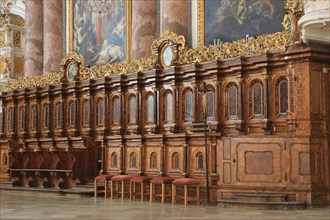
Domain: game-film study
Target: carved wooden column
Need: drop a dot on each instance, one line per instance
(142, 159)
(91, 114)
(15, 119)
(175, 16)
(122, 158)
(144, 27)
(53, 35)
(241, 100)
(156, 107)
(123, 107)
(195, 117)
(163, 160)
(103, 158)
(220, 90)
(213, 160)
(33, 38)
(138, 110)
(78, 114)
(185, 160)
(176, 104)
(266, 94)
(266, 81)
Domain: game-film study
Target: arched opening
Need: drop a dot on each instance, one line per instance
(175, 161)
(200, 161)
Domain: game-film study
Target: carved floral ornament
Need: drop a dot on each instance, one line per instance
(260, 44)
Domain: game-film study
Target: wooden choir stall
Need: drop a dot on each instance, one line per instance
(267, 122)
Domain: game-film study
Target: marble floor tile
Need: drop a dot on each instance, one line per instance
(48, 206)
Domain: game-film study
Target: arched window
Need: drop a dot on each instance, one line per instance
(150, 109)
(58, 115)
(72, 114)
(210, 103)
(21, 118)
(231, 101)
(114, 160)
(188, 105)
(34, 117)
(153, 161)
(45, 110)
(281, 97)
(132, 110)
(256, 100)
(100, 112)
(200, 161)
(116, 110)
(4, 160)
(175, 161)
(133, 160)
(168, 108)
(10, 122)
(85, 112)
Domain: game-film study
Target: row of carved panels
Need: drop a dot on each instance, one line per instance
(155, 160)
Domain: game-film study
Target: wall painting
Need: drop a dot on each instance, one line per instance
(231, 20)
(100, 39)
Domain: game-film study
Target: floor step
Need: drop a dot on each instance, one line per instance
(261, 197)
(260, 204)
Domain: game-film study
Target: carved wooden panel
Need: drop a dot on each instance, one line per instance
(4, 163)
(259, 162)
(111, 165)
(171, 152)
(196, 151)
(132, 159)
(157, 151)
(306, 161)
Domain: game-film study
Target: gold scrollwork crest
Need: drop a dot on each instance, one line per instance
(70, 67)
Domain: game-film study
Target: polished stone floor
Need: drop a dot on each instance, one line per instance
(40, 205)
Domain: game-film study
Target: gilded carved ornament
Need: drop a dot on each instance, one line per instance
(2, 38)
(18, 21)
(2, 21)
(293, 12)
(4, 65)
(168, 35)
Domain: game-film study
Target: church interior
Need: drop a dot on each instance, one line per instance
(223, 102)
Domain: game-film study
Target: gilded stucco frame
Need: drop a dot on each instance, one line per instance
(290, 6)
(128, 28)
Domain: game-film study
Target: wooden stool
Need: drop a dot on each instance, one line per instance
(120, 179)
(185, 182)
(139, 180)
(104, 179)
(160, 180)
